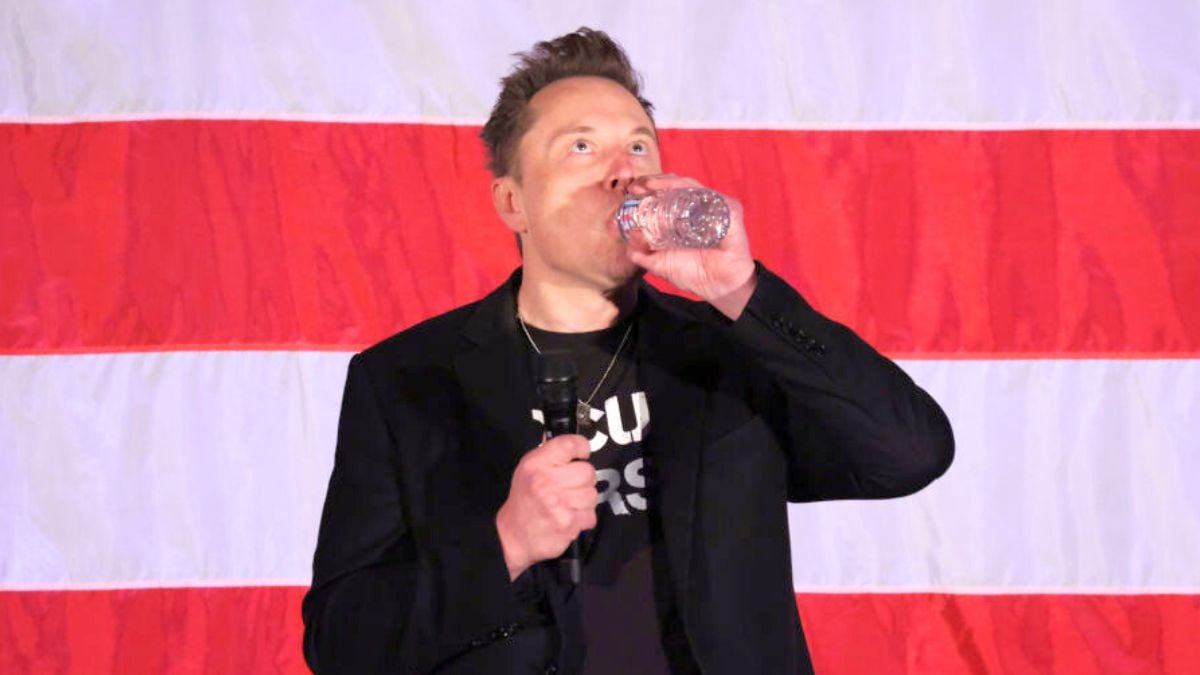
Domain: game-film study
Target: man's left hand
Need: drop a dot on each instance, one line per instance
(723, 275)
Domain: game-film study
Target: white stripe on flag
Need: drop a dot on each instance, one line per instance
(1070, 476)
(210, 467)
(782, 65)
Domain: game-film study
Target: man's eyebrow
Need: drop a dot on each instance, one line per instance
(645, 131)
(567, 132)
(639, 131)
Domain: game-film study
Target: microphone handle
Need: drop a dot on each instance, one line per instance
(556, 377)
(574, 555)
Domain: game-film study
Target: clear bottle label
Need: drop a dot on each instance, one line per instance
(679, 218)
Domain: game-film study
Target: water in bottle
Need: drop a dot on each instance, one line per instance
(678, 218)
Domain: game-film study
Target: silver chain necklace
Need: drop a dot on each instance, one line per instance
(583, 409)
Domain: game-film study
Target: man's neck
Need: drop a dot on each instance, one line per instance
(573, 309)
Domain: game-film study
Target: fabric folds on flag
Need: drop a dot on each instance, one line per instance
(206, 208)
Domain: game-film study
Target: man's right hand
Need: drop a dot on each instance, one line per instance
(551, 500)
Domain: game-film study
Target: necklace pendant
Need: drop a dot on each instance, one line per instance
(583, 418)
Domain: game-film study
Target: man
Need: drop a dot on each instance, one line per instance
(447, 511)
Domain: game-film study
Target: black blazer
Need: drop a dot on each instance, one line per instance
(780, 405)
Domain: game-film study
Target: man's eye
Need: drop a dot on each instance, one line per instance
(581, 147)
(639, 148)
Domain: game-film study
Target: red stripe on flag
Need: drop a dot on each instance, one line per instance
(180, 630)
(942, 633)
(258, 630)
(223, 234)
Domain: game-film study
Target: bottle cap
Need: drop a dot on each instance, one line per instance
(626, 213)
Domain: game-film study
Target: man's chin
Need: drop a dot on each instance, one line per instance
(624, 272)
(621, 287)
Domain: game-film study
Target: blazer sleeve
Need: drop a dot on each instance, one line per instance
(383, 598)
(852, 423)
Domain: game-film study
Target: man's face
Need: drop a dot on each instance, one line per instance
(589, 138)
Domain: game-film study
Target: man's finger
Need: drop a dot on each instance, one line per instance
(576, 474)
(561, 449)
(584, 519)
(581, 497)
(662, 181)
(638, 186)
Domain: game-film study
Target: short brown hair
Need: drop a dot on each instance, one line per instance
(585, 52)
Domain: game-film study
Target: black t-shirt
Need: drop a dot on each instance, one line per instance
(629, 621)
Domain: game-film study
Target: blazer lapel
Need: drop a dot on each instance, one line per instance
(673, 372)
(496, 377)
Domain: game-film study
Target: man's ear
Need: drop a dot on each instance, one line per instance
(506, 197)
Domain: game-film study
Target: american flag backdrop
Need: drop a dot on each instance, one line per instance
(206, 207)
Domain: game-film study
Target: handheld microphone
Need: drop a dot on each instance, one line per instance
(556, 378)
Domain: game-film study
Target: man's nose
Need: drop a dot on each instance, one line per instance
(620, 174)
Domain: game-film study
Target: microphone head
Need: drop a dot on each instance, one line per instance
(556, 378)
(555, 366)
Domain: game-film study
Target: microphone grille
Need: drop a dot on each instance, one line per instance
(556, 366)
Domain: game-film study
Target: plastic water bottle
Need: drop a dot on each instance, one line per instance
(678, 218)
